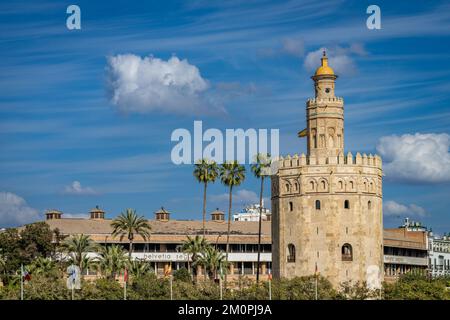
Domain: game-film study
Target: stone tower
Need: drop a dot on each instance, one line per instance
(327, 206)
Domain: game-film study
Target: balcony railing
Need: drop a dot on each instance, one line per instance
(347, 257)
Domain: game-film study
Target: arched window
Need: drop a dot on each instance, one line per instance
(347, 252)
(291, 253)
(296, 186)
(346, 204)
(291, 206)
(317, 204)
(322, 185)
(287, 187)
(369, 205)
(341, 185)
(311, 185)
(351, 185)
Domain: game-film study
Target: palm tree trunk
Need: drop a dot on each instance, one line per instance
(258, 263)
(204, 209)
(228, 235)
(130, 250)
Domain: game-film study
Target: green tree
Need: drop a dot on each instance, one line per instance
(111, 260)
(417, 287)
(36, 240)
(182, 274)
(138, 268)
(100, 289)
(42, 266)
(78, 246)
(205, 172)
(211, 259)
(130, 224)
(232, 174)
(194, 246)
(260, 170)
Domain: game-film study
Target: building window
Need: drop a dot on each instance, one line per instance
(346, 204)
(291, 253)
(317, 204)
(369, 205)
(347, 252)
(287, 187)
(296, 186)
(291, 206)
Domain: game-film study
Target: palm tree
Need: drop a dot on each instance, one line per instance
(42, 265)
(129, 224)
(138, 268)
(260, 170)
(231, 174)
(111, 260)
(211, 259)
(194, 246)
(77, 247)
(205, 172)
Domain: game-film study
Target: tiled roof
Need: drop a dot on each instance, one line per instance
(168, 231)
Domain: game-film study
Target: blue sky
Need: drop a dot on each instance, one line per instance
(66, 144)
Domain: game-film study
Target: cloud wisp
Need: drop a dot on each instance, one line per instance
(392, 208)
(75, 188)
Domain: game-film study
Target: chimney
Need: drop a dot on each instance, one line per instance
(53, 214)
(97, 213)
(217, 215)
(162, 215)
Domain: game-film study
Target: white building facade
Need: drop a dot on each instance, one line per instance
(439, 255)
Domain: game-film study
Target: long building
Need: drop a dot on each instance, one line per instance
(163, 249)
(405, 248)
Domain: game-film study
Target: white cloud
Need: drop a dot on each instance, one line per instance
(339, 58)
(76, 188)
(392, 208)
(416, 158)
(293, 46)
(14, 211)
(150, 84)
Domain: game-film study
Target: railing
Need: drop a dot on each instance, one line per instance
(347, 257)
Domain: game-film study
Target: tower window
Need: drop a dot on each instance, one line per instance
(317, 204)
(327, 90)
(346, 204)
(291, 253)
(291, 206)
(369, 205)
(287, 187)
(347, 252)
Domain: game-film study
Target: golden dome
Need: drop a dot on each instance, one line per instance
(324, 69)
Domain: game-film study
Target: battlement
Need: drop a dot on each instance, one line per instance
(324, 100)
(357, 160)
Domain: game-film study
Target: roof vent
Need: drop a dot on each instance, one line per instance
(162, 215)
(217, 215)
(53, 214)
(97, 213)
